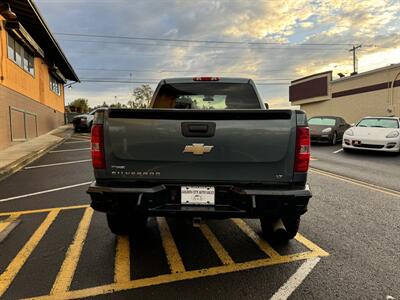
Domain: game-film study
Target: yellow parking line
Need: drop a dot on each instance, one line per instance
(35, 211)
(310, 245)
(122, 267)
(67, 270)
(4, 224)
(216, 245)
(168, 278)
(17, 263)
(171, 251)
(262, 244)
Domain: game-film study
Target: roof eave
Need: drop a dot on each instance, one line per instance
(46, 27)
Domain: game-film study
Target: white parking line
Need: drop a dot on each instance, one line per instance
(69, 150)
(46, 191)
(337, 151)
(296, 279)
(58, 164)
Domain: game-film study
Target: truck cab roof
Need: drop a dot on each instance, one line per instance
(207, 79)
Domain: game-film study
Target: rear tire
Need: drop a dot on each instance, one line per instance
(291, 223)
(122, 224)
(334, 139)
(118, 223)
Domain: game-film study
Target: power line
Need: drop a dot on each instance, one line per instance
(172, 71)
(155, 82)
(196, 41)
(292, 47)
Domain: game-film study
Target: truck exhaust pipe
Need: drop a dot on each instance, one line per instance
(196, 222)
(279, 228)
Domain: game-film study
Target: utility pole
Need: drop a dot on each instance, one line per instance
(354, 58)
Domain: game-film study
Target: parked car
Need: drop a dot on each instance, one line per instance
(374, 133)
(207, 148)
(84, 121)
(328, 129)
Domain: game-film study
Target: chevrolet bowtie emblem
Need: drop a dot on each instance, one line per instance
(197, 149)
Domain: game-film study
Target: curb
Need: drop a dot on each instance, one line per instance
(27, 159)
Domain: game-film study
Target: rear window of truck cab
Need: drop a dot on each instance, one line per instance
(207, 96)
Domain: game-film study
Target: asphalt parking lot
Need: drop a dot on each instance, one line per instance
(52, 245)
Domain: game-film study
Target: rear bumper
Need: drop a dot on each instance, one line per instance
(230, 201)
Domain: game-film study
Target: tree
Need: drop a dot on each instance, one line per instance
(79, 105)
(118, 105)
(142, 97)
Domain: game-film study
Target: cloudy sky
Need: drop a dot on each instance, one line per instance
(271, 41)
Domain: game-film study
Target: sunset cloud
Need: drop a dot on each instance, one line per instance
(330, 26)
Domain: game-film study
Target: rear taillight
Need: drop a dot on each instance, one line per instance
(302, 159)
(98, 159)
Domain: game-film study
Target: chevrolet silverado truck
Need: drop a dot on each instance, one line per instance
(207, 148)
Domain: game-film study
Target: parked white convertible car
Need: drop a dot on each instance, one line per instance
(374, 133)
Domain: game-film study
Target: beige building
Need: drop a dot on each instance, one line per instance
(372, 93)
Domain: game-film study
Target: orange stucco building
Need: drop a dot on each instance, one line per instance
(33, 71)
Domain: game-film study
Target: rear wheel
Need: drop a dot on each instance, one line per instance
(120, 223)
(291, 224)
(334, 138)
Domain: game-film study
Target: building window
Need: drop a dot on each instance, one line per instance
(55, 86)
(21, 56)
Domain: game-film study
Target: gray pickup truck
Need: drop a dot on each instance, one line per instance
(207, 148)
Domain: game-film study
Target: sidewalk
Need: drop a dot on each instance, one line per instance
(16, 157)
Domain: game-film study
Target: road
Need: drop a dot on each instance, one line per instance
(52, 245)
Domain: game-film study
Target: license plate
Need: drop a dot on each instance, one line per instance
(198, 195)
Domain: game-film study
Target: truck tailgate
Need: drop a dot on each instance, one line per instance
(230, 146)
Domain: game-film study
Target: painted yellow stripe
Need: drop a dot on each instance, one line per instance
(4, 224)
(310, 245)
(168, 278)
(262, 244)
(216, 245)
(19, 260)
(360, 183)
(67, 270)
(171, 251)
(122, 267)
(36, 211)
